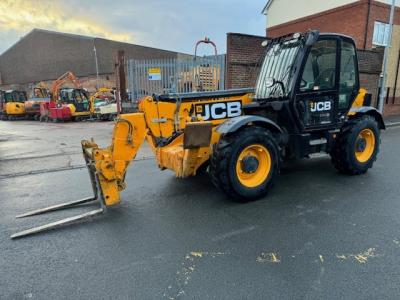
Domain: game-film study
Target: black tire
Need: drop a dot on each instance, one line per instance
(343, 154)
(222, 168)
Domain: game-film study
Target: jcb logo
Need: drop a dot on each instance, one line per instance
(219, 110)
(320, 106)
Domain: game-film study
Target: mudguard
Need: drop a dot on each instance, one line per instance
(232, 125)
(368, 110)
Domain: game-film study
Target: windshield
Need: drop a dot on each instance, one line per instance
(69, 95)
(40, 93)
(278, 64)
(14, 96)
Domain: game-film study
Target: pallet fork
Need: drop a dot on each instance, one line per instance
(85, 216)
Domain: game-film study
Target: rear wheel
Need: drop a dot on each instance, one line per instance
(357, 146)
(245, 164)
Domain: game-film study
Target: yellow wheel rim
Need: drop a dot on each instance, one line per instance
(365, 145)
(253, 165)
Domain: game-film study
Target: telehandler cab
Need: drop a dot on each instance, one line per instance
(307, 100)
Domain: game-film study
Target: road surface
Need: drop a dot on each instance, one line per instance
(317, 234)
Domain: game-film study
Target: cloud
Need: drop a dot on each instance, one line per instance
(17, 17)
(173, 24)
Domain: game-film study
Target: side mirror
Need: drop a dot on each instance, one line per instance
(270, 82)
(265, 43)
(312, 37)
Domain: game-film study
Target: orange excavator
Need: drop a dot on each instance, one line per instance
(66, 104)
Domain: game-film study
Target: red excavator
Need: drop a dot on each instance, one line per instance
(67, 104)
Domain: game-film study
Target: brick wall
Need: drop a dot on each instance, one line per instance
(242, 59)
(351, 19)
(370, 64)
(348, 19)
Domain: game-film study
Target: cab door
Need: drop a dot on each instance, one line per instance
(317, 87)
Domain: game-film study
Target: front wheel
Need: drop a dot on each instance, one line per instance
(357, 146)
(245, 164)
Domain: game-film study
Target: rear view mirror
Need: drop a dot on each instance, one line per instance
(312, 37)
(269, 82)
(265, 43)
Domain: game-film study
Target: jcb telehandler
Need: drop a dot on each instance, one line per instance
(307, 100)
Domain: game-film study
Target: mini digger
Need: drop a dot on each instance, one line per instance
(40, 94)
(12, 104)
(104, 104)
(307, 99)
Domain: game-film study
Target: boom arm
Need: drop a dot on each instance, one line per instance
(68, 76)
(110, 164)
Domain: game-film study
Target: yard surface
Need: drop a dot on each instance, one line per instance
(317, 235)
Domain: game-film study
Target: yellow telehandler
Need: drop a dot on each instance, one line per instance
(307, 99)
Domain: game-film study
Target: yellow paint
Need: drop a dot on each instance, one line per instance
(262, 155)
(196, 254)
(184, 274)
(268, 257)
(369, 137)
(341, 256)
(358, 102)
(364, 256)
(321, 258)
(361, 257)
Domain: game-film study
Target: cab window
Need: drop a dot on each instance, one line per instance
(348, 79)
(320, 69)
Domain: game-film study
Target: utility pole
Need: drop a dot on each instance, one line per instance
(382, 94)
(120, 94)
(97, 65)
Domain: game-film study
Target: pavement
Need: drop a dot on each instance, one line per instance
(30, 147)
(392, 121)
(316, 235)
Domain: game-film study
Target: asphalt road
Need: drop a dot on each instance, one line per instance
(317, 235)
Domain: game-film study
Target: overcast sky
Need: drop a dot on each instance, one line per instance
(167, 24)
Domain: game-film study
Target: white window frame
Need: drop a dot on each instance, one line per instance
(381, 34)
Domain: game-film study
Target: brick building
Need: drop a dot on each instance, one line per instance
(44, 55)
(365, 20)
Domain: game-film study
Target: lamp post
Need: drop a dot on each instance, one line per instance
(97, 65)
(382, 93)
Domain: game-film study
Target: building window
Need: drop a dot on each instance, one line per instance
(381, 34)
